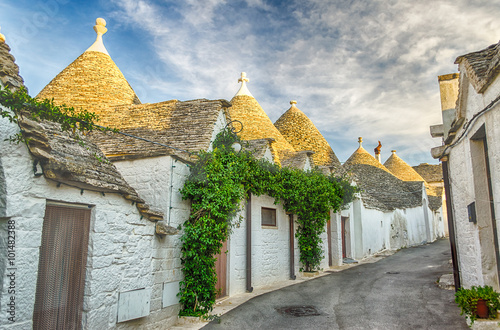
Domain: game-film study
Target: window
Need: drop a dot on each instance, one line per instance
(268, 217)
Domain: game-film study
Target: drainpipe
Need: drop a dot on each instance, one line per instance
(172, 166)
(249, 243)
(292, 248)
(451, 223)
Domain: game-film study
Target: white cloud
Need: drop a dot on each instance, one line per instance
(365, 67)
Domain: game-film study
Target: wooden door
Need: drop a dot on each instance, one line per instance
(343, 233)
(221, 271)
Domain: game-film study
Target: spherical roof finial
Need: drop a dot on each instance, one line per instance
(360, 140)
(2, 38)
(100, 26)
(100, 21)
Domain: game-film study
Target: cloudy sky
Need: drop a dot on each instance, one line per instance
(357, 68)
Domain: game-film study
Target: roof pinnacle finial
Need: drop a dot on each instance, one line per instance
(2, 38)
(100, 29)
(243, 89)
(100, 26)
(243, 78)
(360, 140)
(293, 103)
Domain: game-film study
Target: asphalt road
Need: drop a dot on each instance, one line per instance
(398, 292)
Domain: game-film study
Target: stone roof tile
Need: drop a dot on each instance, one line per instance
(64, 159)
(9, 71)
(257, 125)
(186, 125)
(92, 82)
(297, 160)
(401, 169)
(361, 156)
(431, 173)
(481, 66)
(303, 135)
(383, 191)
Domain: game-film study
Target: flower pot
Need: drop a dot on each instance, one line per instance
(482, 311)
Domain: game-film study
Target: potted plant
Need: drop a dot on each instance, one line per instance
(478, 302)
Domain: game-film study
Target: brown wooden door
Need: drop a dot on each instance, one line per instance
(221, 270)
(343, 229)
(61, 268)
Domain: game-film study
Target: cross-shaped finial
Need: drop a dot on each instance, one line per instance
(243, 77)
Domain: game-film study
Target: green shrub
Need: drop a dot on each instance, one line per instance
(467, 301)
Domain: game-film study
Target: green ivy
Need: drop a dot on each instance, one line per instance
(20, 103)
(218, 184)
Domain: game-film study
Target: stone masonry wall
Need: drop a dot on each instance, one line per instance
(462, 183)
(124, 253)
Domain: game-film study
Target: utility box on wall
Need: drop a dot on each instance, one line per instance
(133, 304)
(170, 291)
(471, 209)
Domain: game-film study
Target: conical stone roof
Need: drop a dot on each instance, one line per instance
(401, 169)
(303, 135)
(256, 123)
(361, 156)
(92, 82)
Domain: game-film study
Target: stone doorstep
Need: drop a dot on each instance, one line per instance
(447, 282)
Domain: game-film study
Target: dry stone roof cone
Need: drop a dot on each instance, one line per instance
(92, 82)
(361, 156)
(401, 169)
(256, 123)
(303, 135)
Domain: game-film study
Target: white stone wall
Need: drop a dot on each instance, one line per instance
(220, 123)
(124, 253)
(158, 181)
(462, 180)
(270, 248)
(373, 230)
(270, 245)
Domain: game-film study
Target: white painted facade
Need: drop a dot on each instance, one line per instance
(369, 230)
(124, 254)
(468, 183)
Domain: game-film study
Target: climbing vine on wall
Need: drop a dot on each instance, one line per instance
(218, 184)
(20, 104)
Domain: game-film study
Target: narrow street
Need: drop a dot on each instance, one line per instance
(398, 292)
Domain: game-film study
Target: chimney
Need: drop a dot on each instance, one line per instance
(448, 89)
(377, 152)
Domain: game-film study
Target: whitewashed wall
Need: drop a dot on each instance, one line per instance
(270, 248)
(372, 230)
(220, 123)
(124, 254)
(462, 183)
